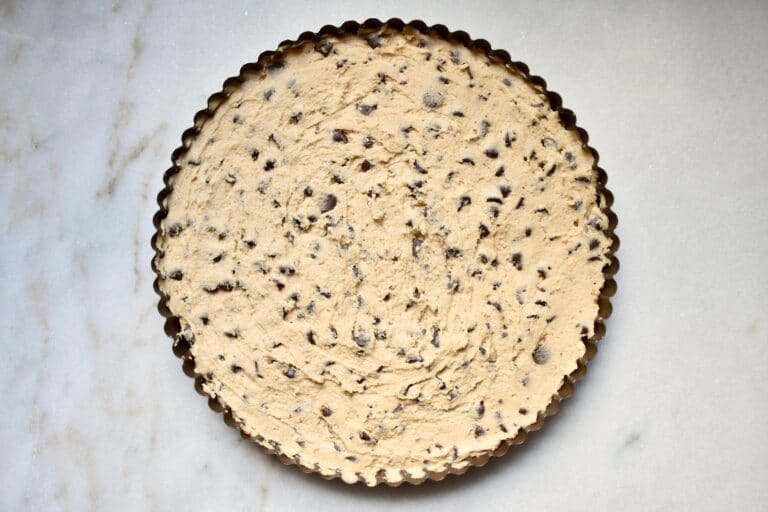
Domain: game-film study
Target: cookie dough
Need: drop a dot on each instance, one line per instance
(386, 252)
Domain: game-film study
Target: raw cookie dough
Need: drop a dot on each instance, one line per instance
(385, 252)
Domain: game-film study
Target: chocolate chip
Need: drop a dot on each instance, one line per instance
(479, 431)
(328, 203)
(569, 156)
(595, 224)
(453, 252)
(443, 80)
(432, 99)
(324, 47)
(254, 154)
(505, 190)
(365, 166)
(361, 337)
(286, 270)
(174, 229)
(517, 260)
(238, 119)
(520, 203)
(308, 191)
(235, 368)
(278, 284)
(582, 179)
(495, 305)
(295, 118)
(458, 113)
(418, 168)
(387, 297)
(484, 232)
(540, 354)
(224, 286)
(484, 126)
(269, 93)
(311, 337)
(480, 409)
(464, 201)
(491, 153)
(339, 135)
(276, 65)
(499, 172)
(325, 411)
(435, 336)
(176, 275)
(548, 142)
(416, 246)
(496, 200)
(270, 164)
(509, 138)
(368, 142)
(290, 372)
(506, 81)
(467, 160)
(594, 244)
(365, 436)
(541, 303)
(373, 40)
(366, 109)
(204, 319)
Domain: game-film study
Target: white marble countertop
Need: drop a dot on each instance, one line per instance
(97, 413)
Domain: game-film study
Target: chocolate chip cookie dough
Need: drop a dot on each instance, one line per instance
(385, 252)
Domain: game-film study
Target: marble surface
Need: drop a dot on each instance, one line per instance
(97, 414)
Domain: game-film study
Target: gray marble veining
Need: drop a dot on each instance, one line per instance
(97, 414)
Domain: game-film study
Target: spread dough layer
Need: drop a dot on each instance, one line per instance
(385, 252)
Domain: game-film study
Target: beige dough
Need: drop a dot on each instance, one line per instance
(386, 253)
